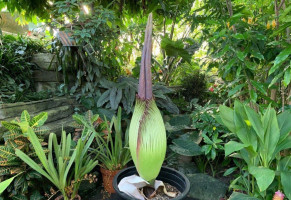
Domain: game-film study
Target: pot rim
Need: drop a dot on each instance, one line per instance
(183, 194)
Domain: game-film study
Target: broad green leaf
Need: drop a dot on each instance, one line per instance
(223, 51)
(258, 55)
(253, 96)
(115, 97)
(250, 65)
(256, 123)
(38, 120)
(238, 36)
(284, 124)
(285, 144)
(285, 164)
(175, 49)
(280, 59)
(186, 147)
(227, 116)
(272, 133)
(25, 117)
(263, 175)
(286, 183)
(5, 184)
(230, 64)
(230, 171)
(38, 148)
(241, 55)
(287, 76)
(238, 71)
(275, 79)
(32, 164)
(103, 99)
(259, 86)
(241, 196)
(244, 131)
(233, 146)
(235, 89)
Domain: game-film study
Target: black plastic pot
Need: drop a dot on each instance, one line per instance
(167, 175)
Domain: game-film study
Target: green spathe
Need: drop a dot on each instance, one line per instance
(147, 139)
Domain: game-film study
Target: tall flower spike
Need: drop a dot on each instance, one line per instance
(145, 77)
(147, 134)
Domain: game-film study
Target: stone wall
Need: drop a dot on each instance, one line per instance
(59, 111)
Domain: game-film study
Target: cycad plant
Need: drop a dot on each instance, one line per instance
(147, 134)
(16, 138)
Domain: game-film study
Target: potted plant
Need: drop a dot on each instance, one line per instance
(147, 134)
(112, 153)
(63, 166)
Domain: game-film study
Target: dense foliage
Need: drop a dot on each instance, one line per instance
(16, 83)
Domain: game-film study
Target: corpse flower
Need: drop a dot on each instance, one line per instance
(147, 134)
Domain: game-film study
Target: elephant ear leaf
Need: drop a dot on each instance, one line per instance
(175, 49)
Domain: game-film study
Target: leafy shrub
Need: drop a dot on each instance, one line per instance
(123, 92)
(260, 139)
(194, 86)
(15, 69)
(16, 138)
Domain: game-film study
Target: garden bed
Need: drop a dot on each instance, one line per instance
(59, 110)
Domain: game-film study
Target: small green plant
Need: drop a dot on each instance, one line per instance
(212, 132)
(111, 151)
(194, 86)
(26, 179)
(260, 140)
(71, 164)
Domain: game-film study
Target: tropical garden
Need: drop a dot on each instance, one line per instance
(145, 99)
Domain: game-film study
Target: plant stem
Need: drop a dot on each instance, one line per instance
(253, 185)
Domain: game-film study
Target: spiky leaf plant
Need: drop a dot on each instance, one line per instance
(16, 138)
(147, 134)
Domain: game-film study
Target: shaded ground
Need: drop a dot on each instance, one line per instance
(99, 194)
